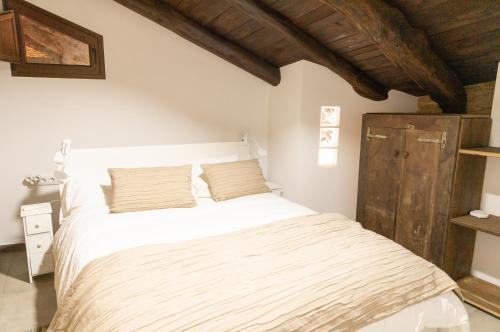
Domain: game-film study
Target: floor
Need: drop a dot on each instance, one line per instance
(481, 322)
(25, 307)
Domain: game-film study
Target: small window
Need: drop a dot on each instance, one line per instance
(329, 136)
(46, 45)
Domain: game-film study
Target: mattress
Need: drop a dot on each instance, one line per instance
(87, 235)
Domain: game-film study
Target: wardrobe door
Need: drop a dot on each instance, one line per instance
(379, 176)
(417, 192)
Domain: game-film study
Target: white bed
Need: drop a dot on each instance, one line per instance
(89, 233)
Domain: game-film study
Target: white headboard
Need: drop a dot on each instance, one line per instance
(95, 162)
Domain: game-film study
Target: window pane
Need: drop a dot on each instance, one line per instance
(327, 157)
(330, 116)
(329, 137)
(45, 45)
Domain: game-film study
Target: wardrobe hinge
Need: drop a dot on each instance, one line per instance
(370, 135)
(441, 141)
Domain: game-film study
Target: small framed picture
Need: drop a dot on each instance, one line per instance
(330, 116)
(329, 138)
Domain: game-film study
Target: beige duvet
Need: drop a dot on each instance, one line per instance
(314, 273)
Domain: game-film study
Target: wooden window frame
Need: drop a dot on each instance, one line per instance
(96, 70)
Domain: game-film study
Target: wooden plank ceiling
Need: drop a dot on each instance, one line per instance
(464, 33)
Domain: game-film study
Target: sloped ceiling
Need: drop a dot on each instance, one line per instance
(464, 34)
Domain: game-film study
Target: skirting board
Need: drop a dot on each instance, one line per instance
(8, 245)
(485, 277)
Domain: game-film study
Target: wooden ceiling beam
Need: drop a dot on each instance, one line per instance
(168, 17)
(360, 81)
(407, 47)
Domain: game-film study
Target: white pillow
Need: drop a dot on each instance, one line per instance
(84, 194)
(199, 186)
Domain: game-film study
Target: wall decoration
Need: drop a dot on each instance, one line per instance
(330, 116)
(329, 133)
(329, 138)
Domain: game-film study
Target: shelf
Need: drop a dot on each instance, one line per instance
(489, 225)
(488, 151)
(481, 294)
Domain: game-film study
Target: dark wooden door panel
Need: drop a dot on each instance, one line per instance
(417, 195)
(382, 155)
(9, 46)
(435, 181)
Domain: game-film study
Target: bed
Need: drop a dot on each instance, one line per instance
(90, 234)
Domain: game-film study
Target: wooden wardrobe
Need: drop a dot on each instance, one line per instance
(412, 181)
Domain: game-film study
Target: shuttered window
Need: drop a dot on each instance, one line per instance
(329, 133)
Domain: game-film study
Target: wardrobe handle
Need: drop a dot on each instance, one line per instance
(396, 153)
(406, 155)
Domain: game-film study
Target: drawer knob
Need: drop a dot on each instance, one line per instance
(37, 226)
(39, 245)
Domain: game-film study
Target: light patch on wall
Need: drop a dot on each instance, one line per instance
(329, 136)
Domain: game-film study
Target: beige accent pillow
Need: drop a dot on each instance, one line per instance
(138, 189)
(234, 179)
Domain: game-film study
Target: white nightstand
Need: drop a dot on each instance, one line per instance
(275, 188)
(38, 236)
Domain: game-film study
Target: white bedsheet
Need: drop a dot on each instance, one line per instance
(87, 235)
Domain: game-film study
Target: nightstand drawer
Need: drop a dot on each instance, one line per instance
(39, 243)
(42, 263)
(38, 224)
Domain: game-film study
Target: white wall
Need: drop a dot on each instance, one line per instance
(160, 89)
(285, 129)
(294, 119)
(486, 263)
